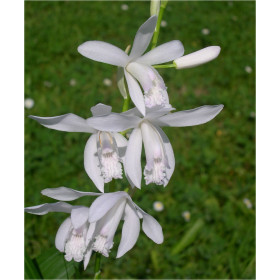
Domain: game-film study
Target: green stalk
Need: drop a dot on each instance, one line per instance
(97, 266)
(171, 65)
(163, 4)
(125, 108)
(126, 103)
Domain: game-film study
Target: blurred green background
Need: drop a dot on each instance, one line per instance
(215, 162)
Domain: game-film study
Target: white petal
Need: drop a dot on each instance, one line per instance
(79, 216)
(197, 58)
(191, 117)
(130, 231)
(121, 143)
(169, 153)
(143, 37)
(101, 110)
(132, 164)
(121, 140)
(87, 258)
(121, 83)
(103, 52)
(66, 194)
(143, 73)
(150, 226)
(68, 122)
(154, 113)
(135, 93)
(163, 53)
(91, 163)
(62, 235)
(112, 219)
(114, 122)
(90, 233)
(49, 207)
(132, 112)
(103, 204)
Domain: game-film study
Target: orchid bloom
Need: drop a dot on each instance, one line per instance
(104, 150)
(160, 160)
(75, 233)
(94, 229)
(138, 67)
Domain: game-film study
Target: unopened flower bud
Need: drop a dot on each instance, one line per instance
(197, 58)
(154, 8)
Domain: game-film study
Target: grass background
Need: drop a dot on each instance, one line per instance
(215, 162)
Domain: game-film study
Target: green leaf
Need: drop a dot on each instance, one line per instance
(189, 237)
(53, 265)
(154, 258)
(31, 270)
(249, 272)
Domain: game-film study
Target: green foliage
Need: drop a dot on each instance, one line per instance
(215, 162)
(31, 269)
(53, 265)
(188, 238)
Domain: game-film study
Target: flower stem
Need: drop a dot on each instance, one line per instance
(125, 108)
(172, 65)
(126, 103)
(160, 15)
(97, 266)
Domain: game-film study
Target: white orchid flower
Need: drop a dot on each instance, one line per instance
(75, 233)
(94, 229)
(138, 67)
(104, 150)
(160, 160)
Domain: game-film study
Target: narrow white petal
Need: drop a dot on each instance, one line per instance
(112, 219)
(87, 258)
(163, 53)
(103, 52)
(143, 73)
(132, 164)
(121, 140)
(103, 204)
(197, 58)
(143, 37)
(154, 113)
(132, 112)
(121, 82)
(114, 122)
(62, 235)
(79, 216)
(135, 93)
(191, 117)
(169, 153)
(68, 122)
(49, 207)
(92, 164)
(66, 194)
(90, 233)
(121, 143)
(101, 110)
(130, 231)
